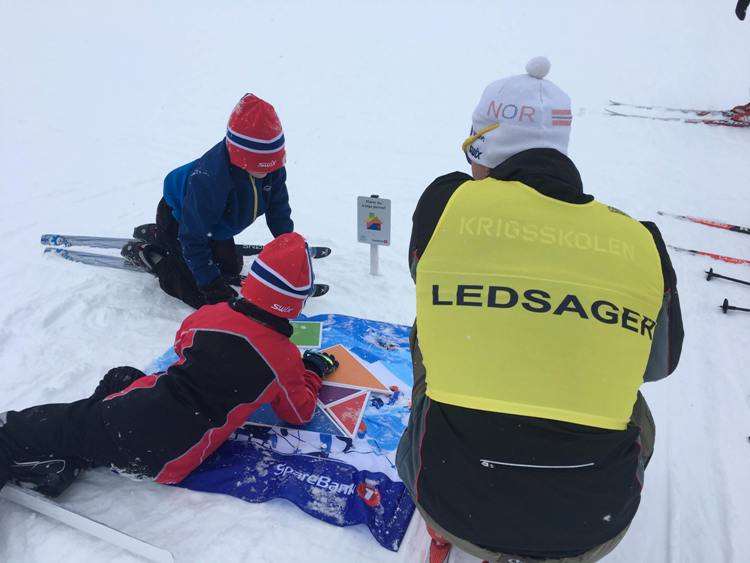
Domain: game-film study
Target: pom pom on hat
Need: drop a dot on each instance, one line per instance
(538, 67)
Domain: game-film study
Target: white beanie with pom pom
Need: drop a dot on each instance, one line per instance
(519, 113)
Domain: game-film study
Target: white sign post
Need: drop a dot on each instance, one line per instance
(374, 225)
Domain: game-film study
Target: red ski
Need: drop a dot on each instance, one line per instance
(708, 222)
(729, 259)
(704, 121)
(698, 112)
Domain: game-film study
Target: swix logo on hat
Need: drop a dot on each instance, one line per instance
(254, 139)
(281, 277)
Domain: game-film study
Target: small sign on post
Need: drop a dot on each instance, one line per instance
(374, 225)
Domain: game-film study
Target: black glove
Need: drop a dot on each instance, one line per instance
(320, 363)
(741, 9)
(217, 291)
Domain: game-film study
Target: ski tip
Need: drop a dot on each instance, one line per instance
(53, 240)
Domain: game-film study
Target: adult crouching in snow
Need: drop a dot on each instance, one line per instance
(540, 312)
(233, 357)
(208, 201)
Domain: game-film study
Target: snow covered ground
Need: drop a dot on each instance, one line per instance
(98, 100)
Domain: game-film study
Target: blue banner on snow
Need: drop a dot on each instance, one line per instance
(339, 480)
(328, 489)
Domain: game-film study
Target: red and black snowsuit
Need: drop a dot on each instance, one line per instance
(233, 357)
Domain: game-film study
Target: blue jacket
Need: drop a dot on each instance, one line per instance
(213, 199)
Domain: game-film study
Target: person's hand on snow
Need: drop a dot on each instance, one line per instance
(322, 364)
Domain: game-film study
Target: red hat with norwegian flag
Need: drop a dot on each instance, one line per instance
(255, 140)
(281, 277)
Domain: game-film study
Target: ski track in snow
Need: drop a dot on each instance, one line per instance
(375, 98)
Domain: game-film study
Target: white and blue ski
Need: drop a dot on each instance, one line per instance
(42, 505)
(76, 240)
(67, 241)
(119, 263)
(93, 259)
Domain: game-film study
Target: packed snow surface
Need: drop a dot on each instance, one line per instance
(100, 99)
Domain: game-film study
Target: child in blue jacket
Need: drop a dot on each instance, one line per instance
(210, 200)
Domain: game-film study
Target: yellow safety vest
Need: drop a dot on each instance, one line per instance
(533, 306)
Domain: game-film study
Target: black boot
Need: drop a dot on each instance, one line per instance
(49, 477)
(147, 233)
(142, 254)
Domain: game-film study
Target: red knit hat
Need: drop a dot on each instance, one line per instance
(281, 277)
(254, 138)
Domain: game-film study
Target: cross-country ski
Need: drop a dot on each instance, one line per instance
(739, 114)
(68, 241)
(712, 255)
(42, 505)
(119, 263)
(708, 222)
(93, 259)
(698, 112)
(692, 120)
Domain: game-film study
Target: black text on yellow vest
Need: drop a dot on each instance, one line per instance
(532, 306)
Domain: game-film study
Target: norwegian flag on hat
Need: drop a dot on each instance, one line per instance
(255, 140)
(281, 277)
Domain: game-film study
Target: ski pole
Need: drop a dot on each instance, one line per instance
(727, 307)
(710, 274)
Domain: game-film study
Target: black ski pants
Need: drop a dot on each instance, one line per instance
(73, 431)
(175, 277)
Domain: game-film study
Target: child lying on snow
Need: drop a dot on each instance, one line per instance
(234, 357)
